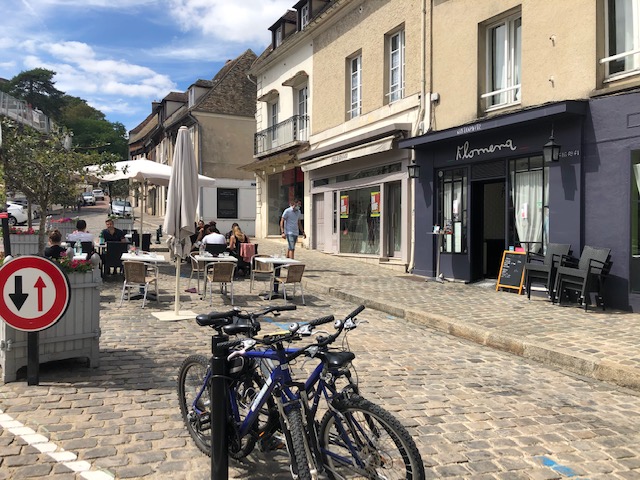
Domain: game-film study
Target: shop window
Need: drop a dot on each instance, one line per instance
(282, 187)
(503, 62)
(622, 31)
(227, 201)
(635, 225)
(452, 209)
(528, 208)
(360, 220)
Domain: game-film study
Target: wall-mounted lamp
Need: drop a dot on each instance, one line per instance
(414, 169)
(551, 150)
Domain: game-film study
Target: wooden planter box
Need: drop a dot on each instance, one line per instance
(76, 335)
(125, 224)
(23, 244)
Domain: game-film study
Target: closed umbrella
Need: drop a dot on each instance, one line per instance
(182, 198)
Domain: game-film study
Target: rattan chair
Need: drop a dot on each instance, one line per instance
(261, 271)
(293, 275)
(222, 273)
(197, 268)
(136, 276)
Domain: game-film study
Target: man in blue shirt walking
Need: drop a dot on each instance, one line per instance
(291, 225)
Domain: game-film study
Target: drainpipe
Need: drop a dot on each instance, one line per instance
(416, 128)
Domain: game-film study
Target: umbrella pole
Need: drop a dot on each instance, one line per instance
(178, 262)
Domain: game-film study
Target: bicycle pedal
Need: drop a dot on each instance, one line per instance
(271, 443)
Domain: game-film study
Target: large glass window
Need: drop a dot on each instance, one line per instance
(635, 225)
(283, 187)
(528, 208)
(355, 69)
(360, 220)
(396, 66)
(623, 36)
(452, 209)
(302, 95)
(504, 42)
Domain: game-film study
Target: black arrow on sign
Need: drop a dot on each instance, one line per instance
(18, 298)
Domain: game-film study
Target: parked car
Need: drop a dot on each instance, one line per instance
(88, 198)
(17, 213)
(99, 194)
(122, 208)
(35, 209)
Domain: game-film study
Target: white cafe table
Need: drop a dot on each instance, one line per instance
(144, 257)
(278, 263)
(215, 258)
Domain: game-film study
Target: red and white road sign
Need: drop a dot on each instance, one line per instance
(35, 293)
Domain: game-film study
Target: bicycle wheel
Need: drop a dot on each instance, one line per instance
(297, 447)
(197, 419)
(363, 440)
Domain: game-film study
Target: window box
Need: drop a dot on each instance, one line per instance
(76, 335)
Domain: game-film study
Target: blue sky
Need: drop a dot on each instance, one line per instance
(121, 55)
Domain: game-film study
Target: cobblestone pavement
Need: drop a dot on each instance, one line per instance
(475, 412)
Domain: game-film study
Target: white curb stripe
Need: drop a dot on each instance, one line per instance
(42, 443)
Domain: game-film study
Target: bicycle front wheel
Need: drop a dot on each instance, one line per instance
(196, 412)
(363, 440)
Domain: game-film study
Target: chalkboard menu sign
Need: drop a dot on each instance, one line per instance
(511, 273)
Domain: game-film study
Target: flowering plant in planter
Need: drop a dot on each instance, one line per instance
(64, 220)
(69, 265)
(22, 231)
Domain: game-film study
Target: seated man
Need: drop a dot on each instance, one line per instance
(214, 236)
(55, 250)
(80, 234)
(111, 233)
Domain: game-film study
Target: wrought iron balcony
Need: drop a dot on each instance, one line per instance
(20, 111)
(292, 131)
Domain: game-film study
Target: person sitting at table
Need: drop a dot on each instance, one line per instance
(80, 234)
(111, 233)
(196, 238)
(214, 236)
(237, 238)
(229, 234)
(55, 250)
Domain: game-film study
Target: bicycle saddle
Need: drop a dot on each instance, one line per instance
(337, 359)
(240, 325)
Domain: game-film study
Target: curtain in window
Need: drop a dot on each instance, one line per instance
(448, 216)
(527, 196)
(622, 33)
(517, 56)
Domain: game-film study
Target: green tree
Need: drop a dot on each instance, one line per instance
(36, 87)
(43, 168)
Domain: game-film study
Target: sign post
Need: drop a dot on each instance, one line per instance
(35, 294)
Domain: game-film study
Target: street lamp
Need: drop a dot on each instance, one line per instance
(551, 150)
(414, 169)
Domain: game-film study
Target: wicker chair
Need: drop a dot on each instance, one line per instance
(197, 268)
(136, 276)
(293, 275)
(222, 273)
(586, 277)
(542, 269)
(260, 270)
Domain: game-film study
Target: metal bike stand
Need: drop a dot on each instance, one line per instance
(218, 411)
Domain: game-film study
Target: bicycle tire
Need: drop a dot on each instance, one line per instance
(389, 451)
(190, 377)
(192, 373)
(298, 450)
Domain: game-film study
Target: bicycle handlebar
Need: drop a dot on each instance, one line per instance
(218, 320)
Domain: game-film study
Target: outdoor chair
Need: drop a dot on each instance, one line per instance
(137, 276)
(198, 268)
(111, 258)
(585, 277)
(542, 268)
(215, 248)
(222, 273)
(293, 275)
(261, 271)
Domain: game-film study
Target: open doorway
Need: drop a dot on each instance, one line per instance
(487, 228)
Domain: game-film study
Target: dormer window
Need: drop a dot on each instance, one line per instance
(278, 36)
(192, 97)
(304, 16)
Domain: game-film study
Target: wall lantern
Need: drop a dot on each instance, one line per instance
(551, 150)
(414, 169)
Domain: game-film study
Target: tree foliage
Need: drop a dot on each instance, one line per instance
(37, 88)
(39, 166)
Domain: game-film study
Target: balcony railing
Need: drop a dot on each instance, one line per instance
(21, 112)
(282, 135)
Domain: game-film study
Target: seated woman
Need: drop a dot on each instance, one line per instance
(236, 239)
(55, 250)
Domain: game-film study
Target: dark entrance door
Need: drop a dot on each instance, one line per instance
(487, 227)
